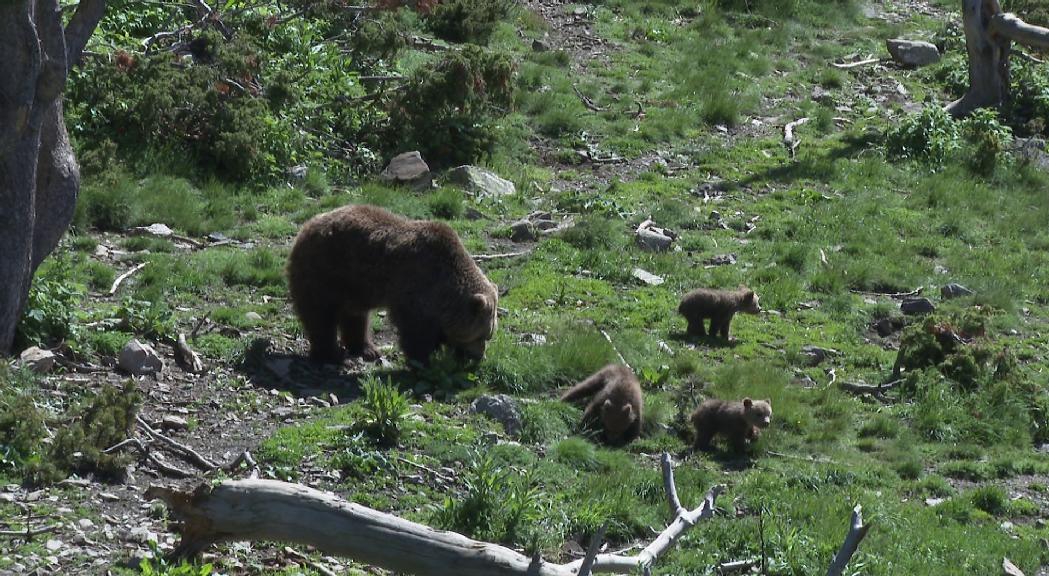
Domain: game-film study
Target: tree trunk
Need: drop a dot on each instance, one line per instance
(989, 34)
(39, 176)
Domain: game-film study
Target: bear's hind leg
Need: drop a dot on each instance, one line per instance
(356, 337)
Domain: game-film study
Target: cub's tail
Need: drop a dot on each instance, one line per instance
(592, 385)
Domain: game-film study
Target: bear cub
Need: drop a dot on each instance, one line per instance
(616, 402)
(719, 306)
(355, 259)
(739, 422)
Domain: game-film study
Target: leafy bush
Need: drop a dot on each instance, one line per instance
(497, 506)
(386, 409)
(447, 204)
(931, 135)
(50, 312)
(22, 431)
(988, 140)
(448, 111)
(467, 20)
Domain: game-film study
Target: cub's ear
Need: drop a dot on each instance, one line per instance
(747, 402)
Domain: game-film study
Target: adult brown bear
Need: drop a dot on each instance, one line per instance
(355, 259)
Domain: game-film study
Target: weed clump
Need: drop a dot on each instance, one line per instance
(467, 20)
(386, 409)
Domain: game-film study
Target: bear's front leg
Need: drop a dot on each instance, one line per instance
(419, 341)
(356, 337)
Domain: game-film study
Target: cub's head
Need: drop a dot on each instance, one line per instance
(757, 412)
(476, 323)
(617, 421)
(749, 302)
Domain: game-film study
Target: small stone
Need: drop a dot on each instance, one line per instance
(952, 290)
(814, 355)
(37, 359)
(722, 260)
(54, 545)
(934, 501)
(522, 231)
(647, 277)
(480, 182)
(172, 422)
(141, 535)
(85, 524)
(912, 52)
(217, 237)
(408, 168)
(1007, 526)
(540, 46)
(253, 317)
(297, 172)
(533, 339)
(1010, 569)
(502, 409)
(917, 306)
(653, 238)
(333, 399)
(137, 359)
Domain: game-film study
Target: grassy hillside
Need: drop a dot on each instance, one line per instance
(608, 113)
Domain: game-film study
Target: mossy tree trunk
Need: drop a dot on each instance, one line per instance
(39, 176)
(989, 34)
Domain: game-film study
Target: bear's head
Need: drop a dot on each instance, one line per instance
(475, 323)
(617, 420)
(749, 302)
(757, 412)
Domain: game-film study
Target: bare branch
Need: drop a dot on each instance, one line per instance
(486, 257)
(81, 26)
(847, 65)
(120, 279)
(1009, 25)
(190, 455)
(790, 140)
(857, 531)
(591, 553)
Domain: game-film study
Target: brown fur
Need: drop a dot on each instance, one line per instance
(616, 402)
(352, 260)
(738, 422)
(719, 306)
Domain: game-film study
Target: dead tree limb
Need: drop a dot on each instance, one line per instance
(790, 139)
(189, 454)
(120, 279)
(989, 34)
(186, 357)
(857, 530)
(280, 511)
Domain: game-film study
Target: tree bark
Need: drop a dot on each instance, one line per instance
(989, 34)
(272, 510)
(39, 176)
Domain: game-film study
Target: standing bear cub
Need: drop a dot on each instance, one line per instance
(616, 402)
(739, 422)
(719, 306)
(352, 260)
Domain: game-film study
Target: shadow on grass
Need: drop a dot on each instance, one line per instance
(811, 167)
(708, 340)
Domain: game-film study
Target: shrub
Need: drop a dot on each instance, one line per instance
(467, 20)
(931, 135)
(446, 203)
(50, 312)
(448, 111)
(988, 140)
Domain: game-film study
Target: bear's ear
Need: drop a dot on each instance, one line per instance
(747, 402)
(481, 303)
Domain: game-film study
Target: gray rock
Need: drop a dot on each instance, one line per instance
(480, 182)
(888, 326)
(653, 238)
(141, 535)
(540, 45)
(297, 172)
(647, 277)
(38, 360)
(172, 422)
(502, 409)
(1008, 568)
(917, 306)
(137, 359)
(408, 168)
(814, 355)
(913, 52)
(253, 317)
(522, 231)
(722, 260)
(952, 290)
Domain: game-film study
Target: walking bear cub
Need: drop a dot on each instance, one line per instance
(719, 306)
(739, 422)
(352, 260)
(616, 402)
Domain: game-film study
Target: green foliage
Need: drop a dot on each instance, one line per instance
(22, 430)
(447, 203)
(931, 135)
(95, 426)
(448, 111)
(467, 20)
(988, 140)
(991, 499)
(385, 409)
(51, 309)
(159, 566)
(498, 505)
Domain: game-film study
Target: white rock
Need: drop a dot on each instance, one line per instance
(912, 52)
(54, 545)
(647, 277)
(481, 182)
(137, 358)
(38, 360)
(653, 238)
(253, 317)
